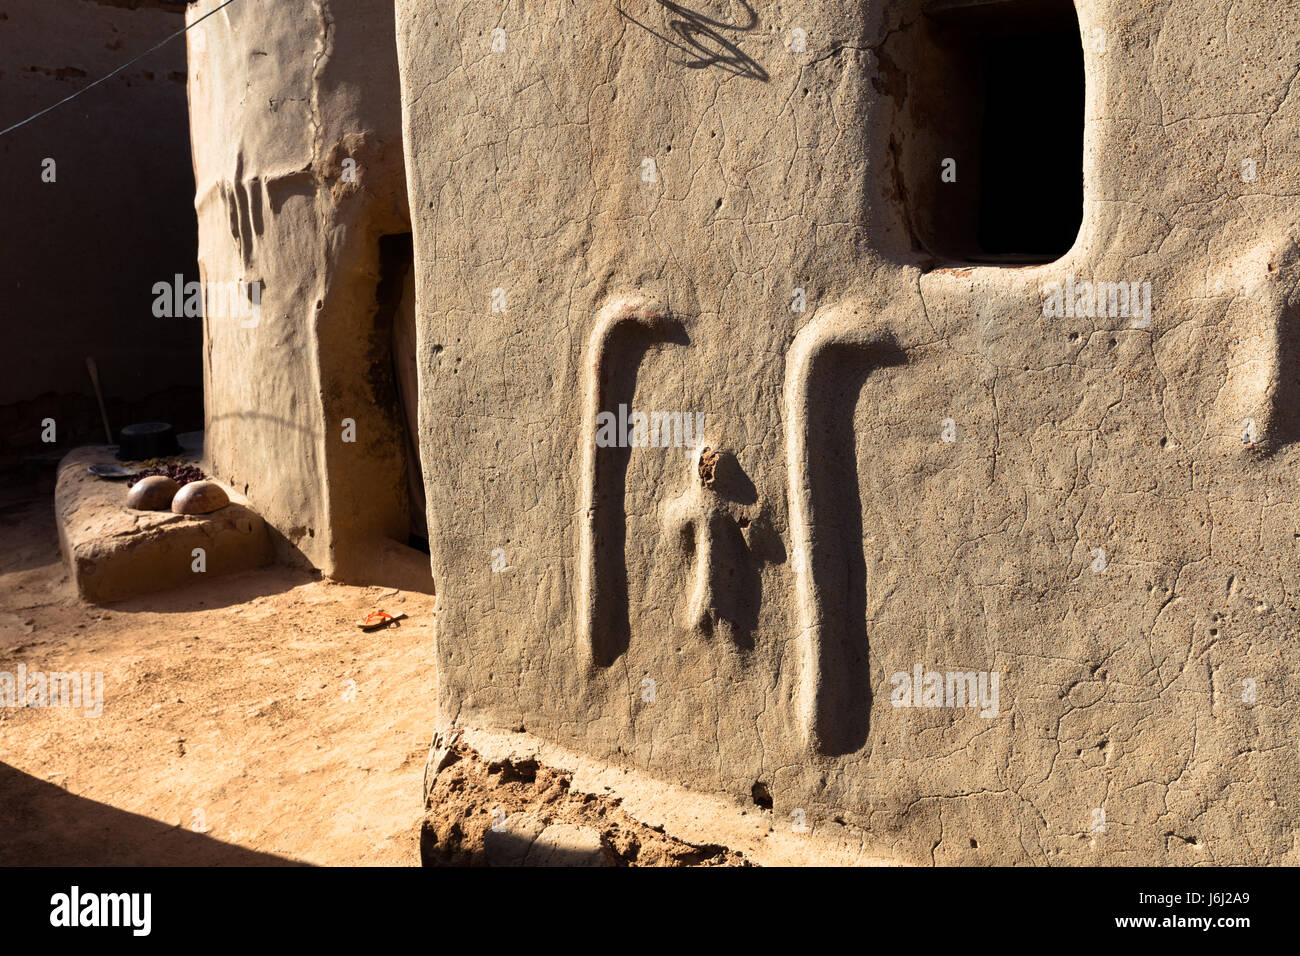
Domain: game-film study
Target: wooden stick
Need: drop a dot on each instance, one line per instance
(103, 412)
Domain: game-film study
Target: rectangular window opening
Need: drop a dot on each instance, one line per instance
(1012, 70)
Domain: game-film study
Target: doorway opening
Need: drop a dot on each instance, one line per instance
(396, 314)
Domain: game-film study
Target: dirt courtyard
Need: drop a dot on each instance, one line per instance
(246, 719)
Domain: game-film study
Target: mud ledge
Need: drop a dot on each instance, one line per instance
(115, 552)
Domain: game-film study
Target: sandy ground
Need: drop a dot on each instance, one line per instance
(245, 720)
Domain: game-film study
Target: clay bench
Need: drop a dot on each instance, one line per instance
(114, 552)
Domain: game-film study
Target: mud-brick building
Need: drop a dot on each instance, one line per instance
(959, 572)
(300, 195)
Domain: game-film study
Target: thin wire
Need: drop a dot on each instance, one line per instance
(118, 70)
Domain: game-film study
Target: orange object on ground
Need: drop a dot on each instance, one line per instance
(377, 619)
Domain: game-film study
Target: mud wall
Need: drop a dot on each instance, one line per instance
(88, 234)
(965, 571)
(297, 143)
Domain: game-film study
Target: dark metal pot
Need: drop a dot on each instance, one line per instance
(147, 440)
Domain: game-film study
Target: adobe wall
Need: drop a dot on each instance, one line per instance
(298, 157)
(927, 467)
(86, 239)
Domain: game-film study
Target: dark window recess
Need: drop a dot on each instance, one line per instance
(1015, 76)
(1031, 146)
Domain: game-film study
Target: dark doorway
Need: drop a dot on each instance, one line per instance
(396, 296)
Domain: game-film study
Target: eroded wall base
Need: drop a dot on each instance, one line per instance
(512, 799)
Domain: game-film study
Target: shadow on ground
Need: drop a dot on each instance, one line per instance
(231, 590)
(44, 825)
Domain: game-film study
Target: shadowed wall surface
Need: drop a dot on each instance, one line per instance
(81, 254)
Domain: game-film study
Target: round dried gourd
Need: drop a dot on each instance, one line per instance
(154, 493)
(199, 498)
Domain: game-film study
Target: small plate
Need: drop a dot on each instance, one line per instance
(112, 471)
